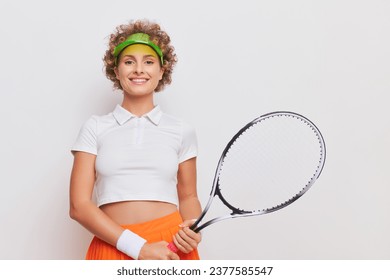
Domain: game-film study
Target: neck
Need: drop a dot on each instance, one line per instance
(138, 105)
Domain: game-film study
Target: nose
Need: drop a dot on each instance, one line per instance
(139, 69)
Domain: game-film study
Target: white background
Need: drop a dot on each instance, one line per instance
(328, 60)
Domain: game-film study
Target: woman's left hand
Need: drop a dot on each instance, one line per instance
(186, 240)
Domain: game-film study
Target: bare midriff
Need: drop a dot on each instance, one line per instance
(134, 212)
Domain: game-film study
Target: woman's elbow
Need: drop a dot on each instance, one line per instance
(75, 211)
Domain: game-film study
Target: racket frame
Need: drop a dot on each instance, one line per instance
(236, 212)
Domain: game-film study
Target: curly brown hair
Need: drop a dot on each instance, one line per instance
(158, 36)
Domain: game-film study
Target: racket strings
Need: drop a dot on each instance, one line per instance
(276, 159)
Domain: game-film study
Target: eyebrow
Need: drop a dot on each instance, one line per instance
(145, 56)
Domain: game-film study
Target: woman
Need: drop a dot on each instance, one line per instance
(139, 161)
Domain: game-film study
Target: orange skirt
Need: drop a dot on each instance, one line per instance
(160, 229)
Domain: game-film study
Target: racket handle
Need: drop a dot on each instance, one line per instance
(171, 246)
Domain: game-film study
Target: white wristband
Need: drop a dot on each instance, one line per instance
(130, 243)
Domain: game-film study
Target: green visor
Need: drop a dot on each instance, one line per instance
(137, 38)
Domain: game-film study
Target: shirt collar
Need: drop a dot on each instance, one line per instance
(122, 115)
(155, 115)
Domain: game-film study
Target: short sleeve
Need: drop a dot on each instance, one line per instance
(189, 143)
(87, 139)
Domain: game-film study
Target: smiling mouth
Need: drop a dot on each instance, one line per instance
(139, 80)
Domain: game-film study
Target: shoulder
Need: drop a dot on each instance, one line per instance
(180, 124)
(97, 122)
(90, 124)
(188, 147)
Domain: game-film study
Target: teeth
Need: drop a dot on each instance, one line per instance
(138, 80)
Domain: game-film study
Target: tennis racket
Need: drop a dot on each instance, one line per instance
(270, 163)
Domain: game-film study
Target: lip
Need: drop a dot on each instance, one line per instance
(138, 81)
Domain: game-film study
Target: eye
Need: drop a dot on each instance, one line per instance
(129, 62)
(149, 62)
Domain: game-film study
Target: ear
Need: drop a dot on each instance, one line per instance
(162, 70)
(116, 73)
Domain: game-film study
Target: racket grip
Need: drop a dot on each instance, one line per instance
(171, 246)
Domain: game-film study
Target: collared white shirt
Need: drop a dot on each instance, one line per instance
(137, 158)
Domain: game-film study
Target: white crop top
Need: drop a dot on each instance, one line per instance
(137, 158)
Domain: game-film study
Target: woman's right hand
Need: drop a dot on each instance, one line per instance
(157, 251)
